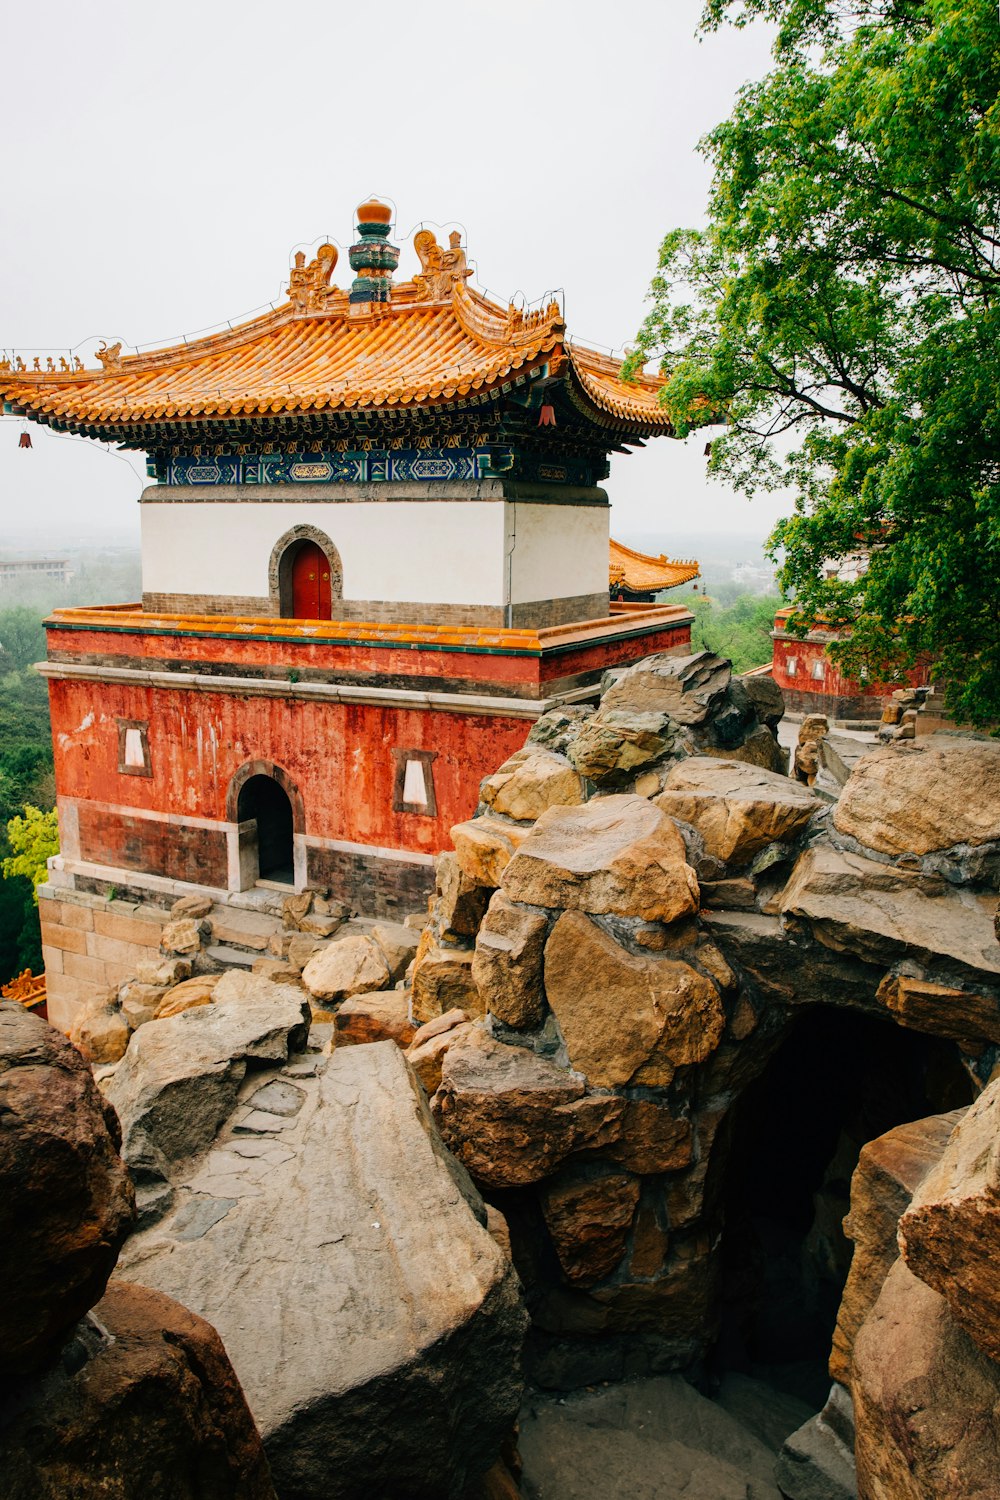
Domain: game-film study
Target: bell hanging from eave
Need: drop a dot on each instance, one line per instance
(24, 441)
(547, 415)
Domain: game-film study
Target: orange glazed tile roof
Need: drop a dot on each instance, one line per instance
(434, 343)
(644, 574)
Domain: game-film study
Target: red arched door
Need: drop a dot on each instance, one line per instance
(311, 583)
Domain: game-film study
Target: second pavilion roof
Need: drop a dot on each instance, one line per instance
(431, 344)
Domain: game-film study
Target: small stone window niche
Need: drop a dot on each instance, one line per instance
(792, 666)
(413, 783)
(818, 670)
(133, 748)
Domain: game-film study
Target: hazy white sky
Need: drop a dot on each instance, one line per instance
(161, 164)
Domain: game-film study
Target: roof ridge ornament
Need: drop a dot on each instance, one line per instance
(110, 356)
(440, 270)
(372, 258)
(309, 289)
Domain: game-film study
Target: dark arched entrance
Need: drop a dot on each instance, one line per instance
(836, 1081)
(263, 802)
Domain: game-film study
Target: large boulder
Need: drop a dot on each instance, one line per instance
(926, 1400)
(687, 688)
(616, 743)
(66, 1202)
(627, 1017)
(965, 1016)
(507, 967)
(889, 1171)
(484, 848)
(588, 1212)
(512, 1117)
(374, 1323)
(180, 1077)
(737, 809)
(616, 855)
(530, 781)
(143, 1406)
(349, 966)
(922, 796)
(950, 1234)
(883, 914)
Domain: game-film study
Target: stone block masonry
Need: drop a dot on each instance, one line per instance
(90, 944)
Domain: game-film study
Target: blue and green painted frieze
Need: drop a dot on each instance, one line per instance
(367, 467)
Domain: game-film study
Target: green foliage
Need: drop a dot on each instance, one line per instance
(26, 781)
(741, 630)
(33, 838)
(21, 637)
(841, 313)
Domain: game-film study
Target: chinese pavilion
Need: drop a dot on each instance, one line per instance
(637, 577)
(374, 549)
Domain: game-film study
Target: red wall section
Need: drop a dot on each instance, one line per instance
(339, 756)
(811, 659)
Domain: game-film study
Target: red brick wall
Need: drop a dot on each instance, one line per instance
(829, 691)
(339, 757)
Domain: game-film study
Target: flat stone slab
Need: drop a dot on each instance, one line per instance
(374, 1324)
(881, 913)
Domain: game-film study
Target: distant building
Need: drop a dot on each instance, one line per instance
(637, 577)
(27, 569)
(756, 578)
(812, 683)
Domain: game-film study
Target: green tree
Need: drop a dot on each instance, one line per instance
(841, 314)
(34, 838)
(22, 636)
(741, 630)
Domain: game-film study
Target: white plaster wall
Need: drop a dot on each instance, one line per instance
(558, 550)
(427, 551)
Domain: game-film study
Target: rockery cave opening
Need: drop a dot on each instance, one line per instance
(836, 1081)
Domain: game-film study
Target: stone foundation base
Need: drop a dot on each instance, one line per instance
(861, 706)
(91, 943)
(99, 922)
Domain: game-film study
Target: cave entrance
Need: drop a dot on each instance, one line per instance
(264, 812)
(836, 1081)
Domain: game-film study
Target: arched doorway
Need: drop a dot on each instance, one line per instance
(305, 575)
(263, 802)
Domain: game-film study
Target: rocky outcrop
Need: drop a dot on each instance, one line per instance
(627, 1017)
(950, 1234)
(924, 797)
(142, 1404)
(889, 1171)
(737, 810)
(180, 1077)
(617, 855)
(136, 1398)
(688, 688)
(886, 915)
(926, 1400)
(507, 967)
(66, 1202)
(512, 1117)
(342, 1255)
(530, 781)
